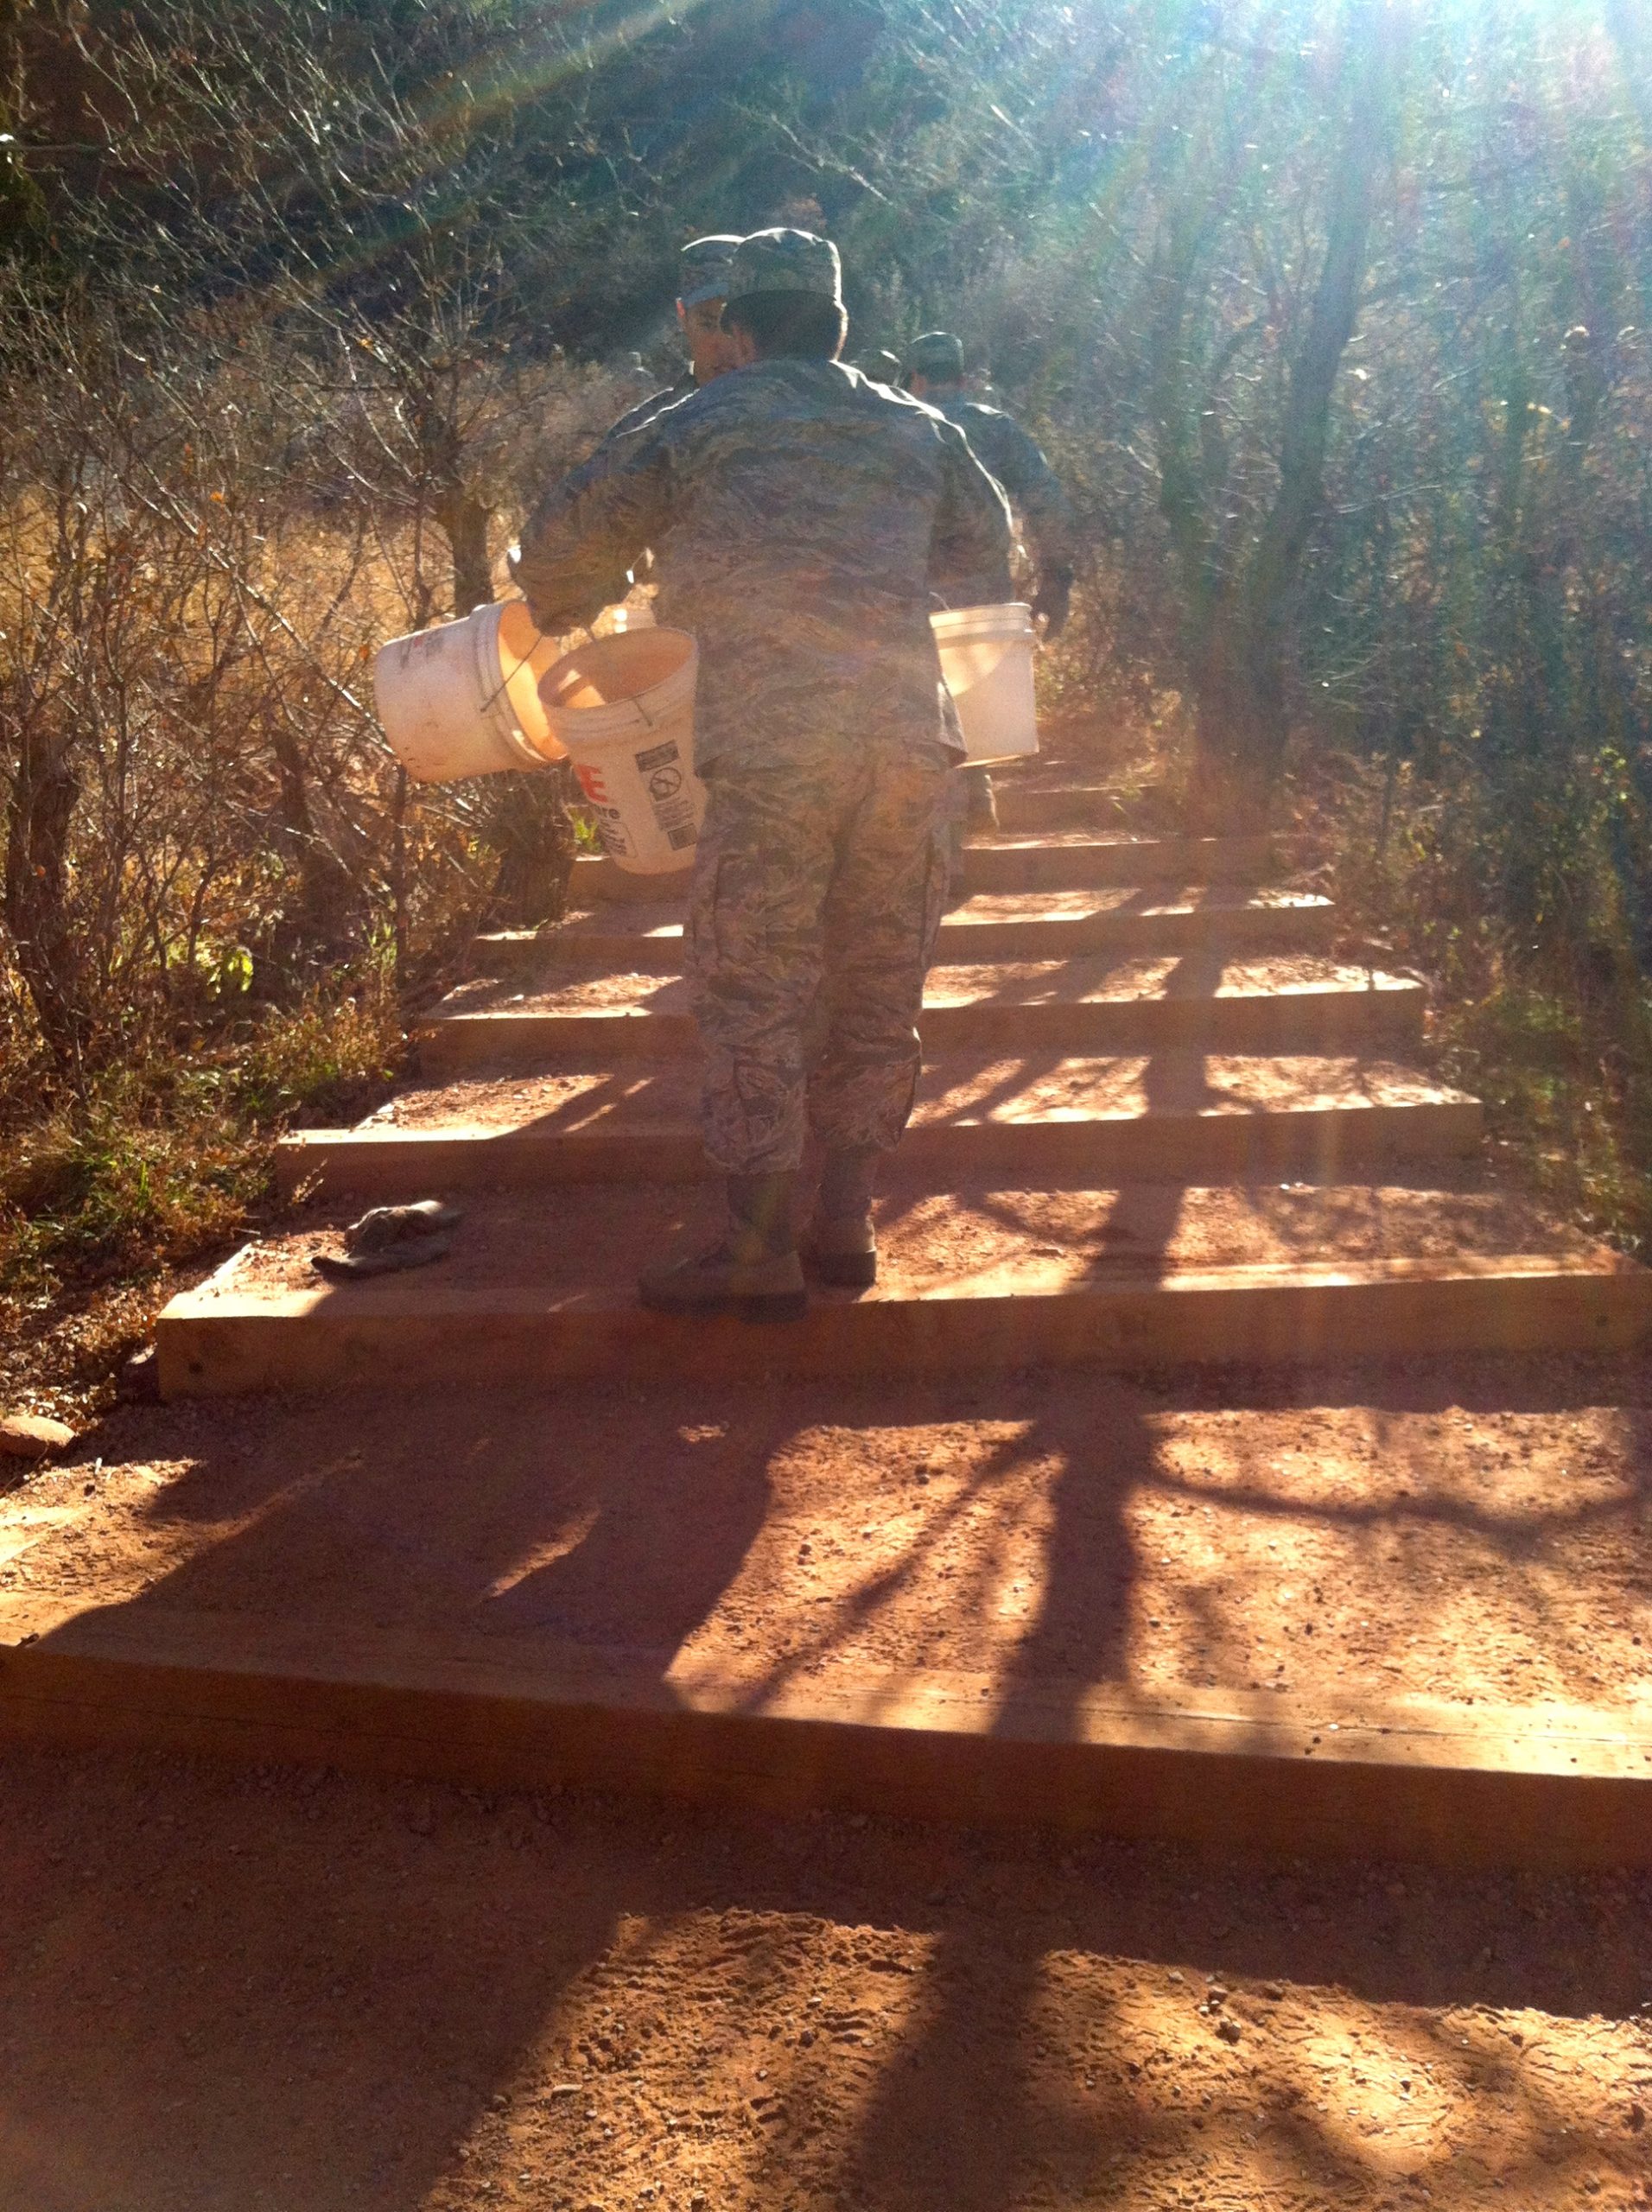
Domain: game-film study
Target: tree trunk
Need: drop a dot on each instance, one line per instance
(1239, 729)
(1242, 707)
(331, 915)
(465, 518)
(39, 815)
(1240, 599)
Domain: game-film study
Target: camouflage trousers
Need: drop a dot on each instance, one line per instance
(818, 886)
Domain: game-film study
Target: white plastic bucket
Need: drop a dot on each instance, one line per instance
(986, 662)
(463, 699)
(623, 707)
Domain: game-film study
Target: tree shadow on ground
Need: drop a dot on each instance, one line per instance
(224, 1987)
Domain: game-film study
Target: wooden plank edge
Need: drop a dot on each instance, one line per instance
(1110, 865)
(1499, 1788)
(1065, 806)
(1229, 906)
(216, 1341)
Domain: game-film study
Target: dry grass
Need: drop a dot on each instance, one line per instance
(115, 1194)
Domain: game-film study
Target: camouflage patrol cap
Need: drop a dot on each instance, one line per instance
(704, 264)
(937, 353)
(786, 261)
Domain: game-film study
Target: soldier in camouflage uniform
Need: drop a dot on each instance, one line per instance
(935, 375)
(704, 267)
(798, 514)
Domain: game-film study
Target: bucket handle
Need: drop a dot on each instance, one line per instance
(495, 695)
(648, 720)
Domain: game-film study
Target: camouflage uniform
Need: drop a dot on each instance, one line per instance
(1008, 456)
(646, 410)
(818, 886)
(797, 513)
(1005, 452)
(704, 265)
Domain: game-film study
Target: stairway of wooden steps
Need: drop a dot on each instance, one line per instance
(1160, 1127)
(1087, 1039)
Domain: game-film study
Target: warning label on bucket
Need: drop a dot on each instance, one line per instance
(647, 802)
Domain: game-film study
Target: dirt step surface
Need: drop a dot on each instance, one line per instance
(1085, 981)
(225, 1987)
(591, 1236)
(1038, 925)
(958, 1087)
(1351, 1536)
(1057, 799)
(1009, 862)
(1200, 1001)
(997, 906)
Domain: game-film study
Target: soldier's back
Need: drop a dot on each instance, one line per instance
(808, 480)
(803, 501)
(999, 443)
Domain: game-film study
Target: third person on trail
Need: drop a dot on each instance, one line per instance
(935, 375)
(801, 518)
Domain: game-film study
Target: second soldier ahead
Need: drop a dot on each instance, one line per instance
(801, 518)
(702, 268)
(935, 375)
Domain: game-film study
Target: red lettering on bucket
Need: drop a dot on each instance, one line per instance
(592, 785)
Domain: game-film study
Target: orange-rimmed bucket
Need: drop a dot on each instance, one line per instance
(463, 699)
(622, 709)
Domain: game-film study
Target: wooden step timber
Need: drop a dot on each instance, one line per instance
(1162, 1144)
(1002, 864)
(400, 1332)
(1544, 1787)
(1006, 864)
(1030, 807)
(1329, 1018)
(1290, 924)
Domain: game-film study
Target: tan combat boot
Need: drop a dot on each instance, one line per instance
(753, 1273)
(839, 1247)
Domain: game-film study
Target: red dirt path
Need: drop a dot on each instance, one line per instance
(1475, 1530)
(228, 1991)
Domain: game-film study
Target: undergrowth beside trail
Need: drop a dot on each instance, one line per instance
(1549, 1023)
(114, 1188)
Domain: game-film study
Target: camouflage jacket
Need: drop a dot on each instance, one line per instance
(1005, 452)
(800, 518)
(646, 410)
